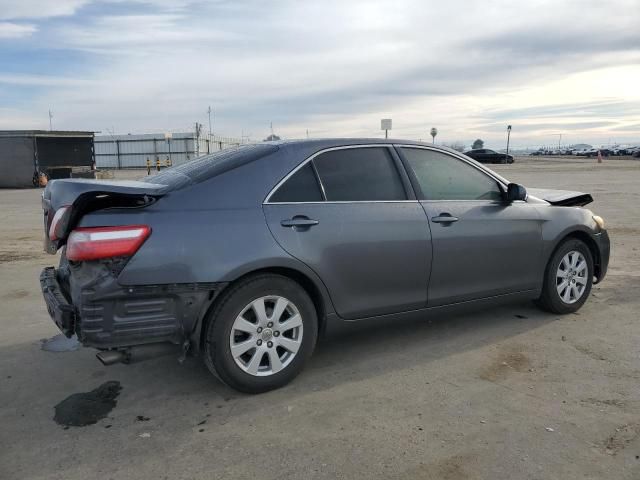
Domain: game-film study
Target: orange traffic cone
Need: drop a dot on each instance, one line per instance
(599, 157)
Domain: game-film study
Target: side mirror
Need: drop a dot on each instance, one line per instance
(516, 192)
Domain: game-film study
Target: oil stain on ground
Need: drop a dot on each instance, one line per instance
(6, 257)
(15, 294)
(81, 409)
(508, 361)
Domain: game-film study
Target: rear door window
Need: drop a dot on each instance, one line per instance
(359, 174)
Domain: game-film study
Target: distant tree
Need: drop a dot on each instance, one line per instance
(457, 145)
(477, 144)
(272, 138)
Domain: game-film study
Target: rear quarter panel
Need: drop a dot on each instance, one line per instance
(214, 231)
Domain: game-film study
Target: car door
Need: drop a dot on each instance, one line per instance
(480, 156)
(350, 214)
(489, 156)
(482, 246)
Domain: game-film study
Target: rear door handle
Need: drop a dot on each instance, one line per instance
(299, 221)
(444, 218)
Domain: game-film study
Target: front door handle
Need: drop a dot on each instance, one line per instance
(299, 221)
(444, 218)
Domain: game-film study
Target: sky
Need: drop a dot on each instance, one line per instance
(330, 68)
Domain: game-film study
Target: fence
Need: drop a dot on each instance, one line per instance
(132, 151)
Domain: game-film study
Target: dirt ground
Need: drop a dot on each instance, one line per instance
(503, 393)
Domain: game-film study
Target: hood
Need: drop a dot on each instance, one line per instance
(561, 198)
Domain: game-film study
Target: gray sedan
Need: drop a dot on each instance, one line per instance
(245, 257)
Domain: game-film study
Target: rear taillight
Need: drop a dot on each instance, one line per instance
(58, 224)
(94, 243)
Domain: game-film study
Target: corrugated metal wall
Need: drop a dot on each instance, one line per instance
(132, 151)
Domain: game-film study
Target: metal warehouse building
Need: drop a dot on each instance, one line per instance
(132, 151)
(26, 154)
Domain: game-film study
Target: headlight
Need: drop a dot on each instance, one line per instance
(599, 221)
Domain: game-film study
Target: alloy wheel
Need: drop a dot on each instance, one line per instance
(572, 277)
(266, 335)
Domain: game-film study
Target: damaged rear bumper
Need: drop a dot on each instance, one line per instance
(61, 311)
(87, 300)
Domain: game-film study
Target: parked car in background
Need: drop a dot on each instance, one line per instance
(485, 155)
(593, 152)
(617, 150)
(623, 150)
(246, 256)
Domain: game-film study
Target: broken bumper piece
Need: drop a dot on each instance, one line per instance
(61, 311)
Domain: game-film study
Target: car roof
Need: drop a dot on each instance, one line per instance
(324, 143)
(259, 176)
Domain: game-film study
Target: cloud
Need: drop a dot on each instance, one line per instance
(15, 30)
(41, 80)
(336, 67)
(16, 9)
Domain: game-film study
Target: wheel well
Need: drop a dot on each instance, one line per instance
(593, 248)
(300, 278)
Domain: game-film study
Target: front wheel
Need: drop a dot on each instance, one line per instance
(568, 278)
(261, 333)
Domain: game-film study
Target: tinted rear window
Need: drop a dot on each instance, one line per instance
(208, 166)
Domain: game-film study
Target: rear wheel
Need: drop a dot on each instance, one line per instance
(568, 278)
(261, 333)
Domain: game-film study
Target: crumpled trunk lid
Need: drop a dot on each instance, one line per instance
(83, 195)
(561, 198)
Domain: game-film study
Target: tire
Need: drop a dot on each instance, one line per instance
(258, 370)
(578, 284)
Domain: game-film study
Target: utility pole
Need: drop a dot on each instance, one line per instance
(198, 132)
(50, 117)
(508, 137)
(271, 126)
(209, 111)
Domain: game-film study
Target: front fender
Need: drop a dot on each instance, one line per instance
(560, 223)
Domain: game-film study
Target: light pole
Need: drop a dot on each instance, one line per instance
(167, 137)
(434, 132)
(209, 112)
(508, 137)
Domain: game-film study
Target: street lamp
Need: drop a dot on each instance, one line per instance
(508, 137)
(167, 137)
